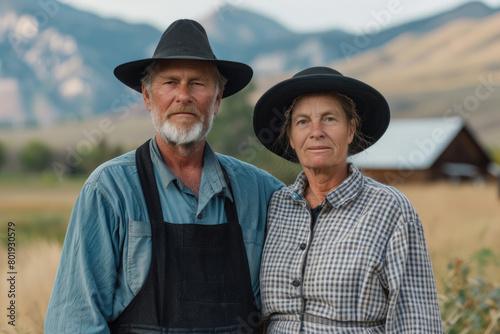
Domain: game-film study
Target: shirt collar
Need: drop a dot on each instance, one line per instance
(212, 177)
(339, 196)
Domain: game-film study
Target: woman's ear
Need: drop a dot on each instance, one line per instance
(351, 131)
(290, 141)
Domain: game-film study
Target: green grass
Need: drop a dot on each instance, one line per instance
(40, 206)
(35, 225)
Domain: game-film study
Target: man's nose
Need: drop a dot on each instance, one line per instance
(183, 94)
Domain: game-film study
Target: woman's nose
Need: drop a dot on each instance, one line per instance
(316, 130)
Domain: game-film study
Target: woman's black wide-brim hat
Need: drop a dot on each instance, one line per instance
(186, 39)
(268, 117)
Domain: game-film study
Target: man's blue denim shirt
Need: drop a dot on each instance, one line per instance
(107, 250)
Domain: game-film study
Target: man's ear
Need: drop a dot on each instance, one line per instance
(218, 100)
(146, 97)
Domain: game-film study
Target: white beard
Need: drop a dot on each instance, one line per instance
(176, 135)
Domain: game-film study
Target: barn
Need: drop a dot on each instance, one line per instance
(426, 149)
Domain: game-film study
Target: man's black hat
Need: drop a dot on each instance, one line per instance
(186, 39)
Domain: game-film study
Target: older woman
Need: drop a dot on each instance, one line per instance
(343, 253)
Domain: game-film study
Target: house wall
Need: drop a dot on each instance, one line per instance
(464, 149)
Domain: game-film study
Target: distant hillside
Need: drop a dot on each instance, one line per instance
(442, 66)
(270, 48)
(267, 46)
(451, 71)
(59, 60)
(56, 62)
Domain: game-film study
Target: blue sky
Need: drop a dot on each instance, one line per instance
(296, 15)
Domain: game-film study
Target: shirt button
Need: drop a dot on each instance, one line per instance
(303, 246)
(296, 283)
(200, 215)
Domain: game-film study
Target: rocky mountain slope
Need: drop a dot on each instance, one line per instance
(56, 62)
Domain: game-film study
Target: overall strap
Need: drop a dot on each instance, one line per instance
(150, 190)
(148, 183)
(230, 208)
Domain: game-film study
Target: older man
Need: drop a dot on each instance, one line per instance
(168, 238)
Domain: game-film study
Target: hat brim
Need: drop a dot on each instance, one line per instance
(238, 75)
(269, 118)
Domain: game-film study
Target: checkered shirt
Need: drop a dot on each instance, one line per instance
(364, 268)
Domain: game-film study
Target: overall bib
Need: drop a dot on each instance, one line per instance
(198, 279)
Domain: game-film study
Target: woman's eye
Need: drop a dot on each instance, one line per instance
(302, 122)
(330, 119)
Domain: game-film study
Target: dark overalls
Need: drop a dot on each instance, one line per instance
(198, 280)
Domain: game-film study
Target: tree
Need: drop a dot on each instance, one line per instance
(232, 134)
(3, 154)
(35, 156)
(100, 153)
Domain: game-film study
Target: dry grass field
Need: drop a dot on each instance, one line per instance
(459, 220)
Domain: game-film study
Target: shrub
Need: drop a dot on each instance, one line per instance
(471, 305)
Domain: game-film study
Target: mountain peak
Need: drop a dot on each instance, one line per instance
(237, 26)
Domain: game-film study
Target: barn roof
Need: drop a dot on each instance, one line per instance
(410, 144)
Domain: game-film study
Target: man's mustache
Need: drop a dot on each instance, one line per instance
(184, 110)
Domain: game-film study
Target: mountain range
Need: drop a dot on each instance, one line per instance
(56, 61)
